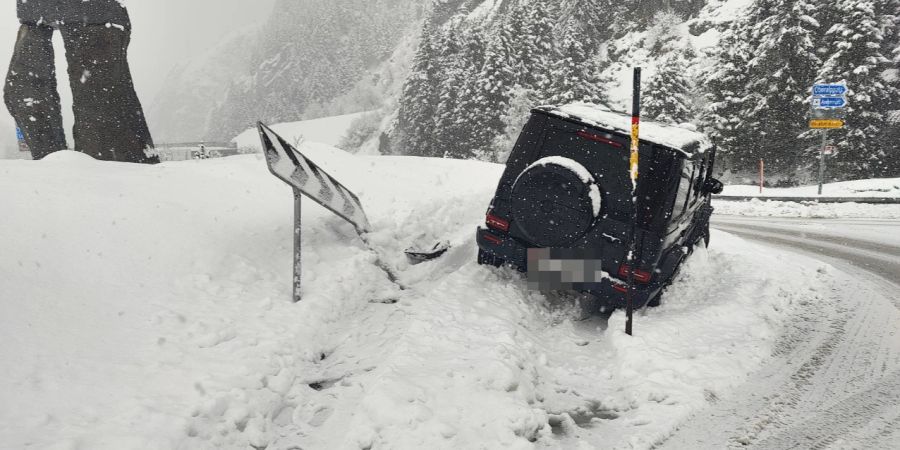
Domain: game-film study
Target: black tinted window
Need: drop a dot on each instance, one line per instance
(684, 190)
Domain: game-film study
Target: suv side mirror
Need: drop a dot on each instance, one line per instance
(713, 186)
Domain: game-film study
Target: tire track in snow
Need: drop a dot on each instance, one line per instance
(845, 391)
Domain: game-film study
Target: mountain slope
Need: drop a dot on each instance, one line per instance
(308, 54)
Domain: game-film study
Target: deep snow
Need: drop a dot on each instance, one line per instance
(772, 208)
(327, 130)
(877, 187)
(148, 307)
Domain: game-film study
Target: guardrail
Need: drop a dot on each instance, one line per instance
(866, 200)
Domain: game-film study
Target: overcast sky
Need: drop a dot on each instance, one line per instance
(165, 33)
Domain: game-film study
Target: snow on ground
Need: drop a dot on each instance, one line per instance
(878, 187)
(760, 207)
(148, 307)
(327, 130)
(771, 208)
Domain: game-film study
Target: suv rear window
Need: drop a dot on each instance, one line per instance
(606, 157)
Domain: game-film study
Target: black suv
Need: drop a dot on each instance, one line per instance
(567, 186)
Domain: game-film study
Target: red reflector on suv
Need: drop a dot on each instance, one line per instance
(492, 239)
(641, 276)
(597, 138)
(497, 223)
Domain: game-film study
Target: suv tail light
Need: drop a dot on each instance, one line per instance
(497, 223)
(641, 276)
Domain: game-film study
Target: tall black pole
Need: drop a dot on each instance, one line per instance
(633, 171)
(297, 245)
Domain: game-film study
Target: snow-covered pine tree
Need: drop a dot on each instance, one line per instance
(521, 101)
(594, 21)
(759, 99)
(669, 95)
(725, 84)
(463, 103)
(531, 29)
(418, 102)
(857, 56)
(782, 70)
(454, 77)
(493, 85)
(576, 75)
(889, 11)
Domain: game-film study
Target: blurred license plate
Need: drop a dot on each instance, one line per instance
(564, 269)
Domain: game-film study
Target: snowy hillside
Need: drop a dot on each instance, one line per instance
(305, 57)
(148, 307)
(740, 70)
(327, 130)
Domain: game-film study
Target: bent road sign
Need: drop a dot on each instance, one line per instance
(289, 165)
(829, 102)
(829, 89)
(826, 124)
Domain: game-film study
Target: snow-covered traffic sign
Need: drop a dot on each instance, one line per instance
(831, 89)
(829, 102)
(307, 178)
(298, 171)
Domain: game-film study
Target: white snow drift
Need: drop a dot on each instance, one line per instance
(148, 307)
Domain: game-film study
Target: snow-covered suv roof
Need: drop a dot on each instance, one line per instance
(676, 137)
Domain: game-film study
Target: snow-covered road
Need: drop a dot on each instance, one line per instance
(835, 382)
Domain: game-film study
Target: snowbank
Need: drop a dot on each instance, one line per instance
(771, 208)
(879, 187)
(327, 130)
(148, 307)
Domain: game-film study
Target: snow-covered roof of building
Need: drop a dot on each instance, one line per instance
(677, 137)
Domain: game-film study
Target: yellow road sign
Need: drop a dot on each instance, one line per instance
(635, 142)
(826, 124)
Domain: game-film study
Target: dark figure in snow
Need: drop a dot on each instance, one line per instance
(109, 120)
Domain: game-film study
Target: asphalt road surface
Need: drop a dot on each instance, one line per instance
(834, 381)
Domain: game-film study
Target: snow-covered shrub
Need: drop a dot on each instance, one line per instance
(361, 130)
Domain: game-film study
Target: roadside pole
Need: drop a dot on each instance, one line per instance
(762, 175)
(822, 159)
(633, 171)
(297, 246)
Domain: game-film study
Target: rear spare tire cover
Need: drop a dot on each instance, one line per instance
(555, 201)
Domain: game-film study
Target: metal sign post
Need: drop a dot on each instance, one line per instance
(308, 179)
(827, 102)
(297, 244)
(822, 160)
(633, 171)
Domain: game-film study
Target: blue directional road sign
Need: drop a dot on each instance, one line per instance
(829, 102)
(829, 89)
